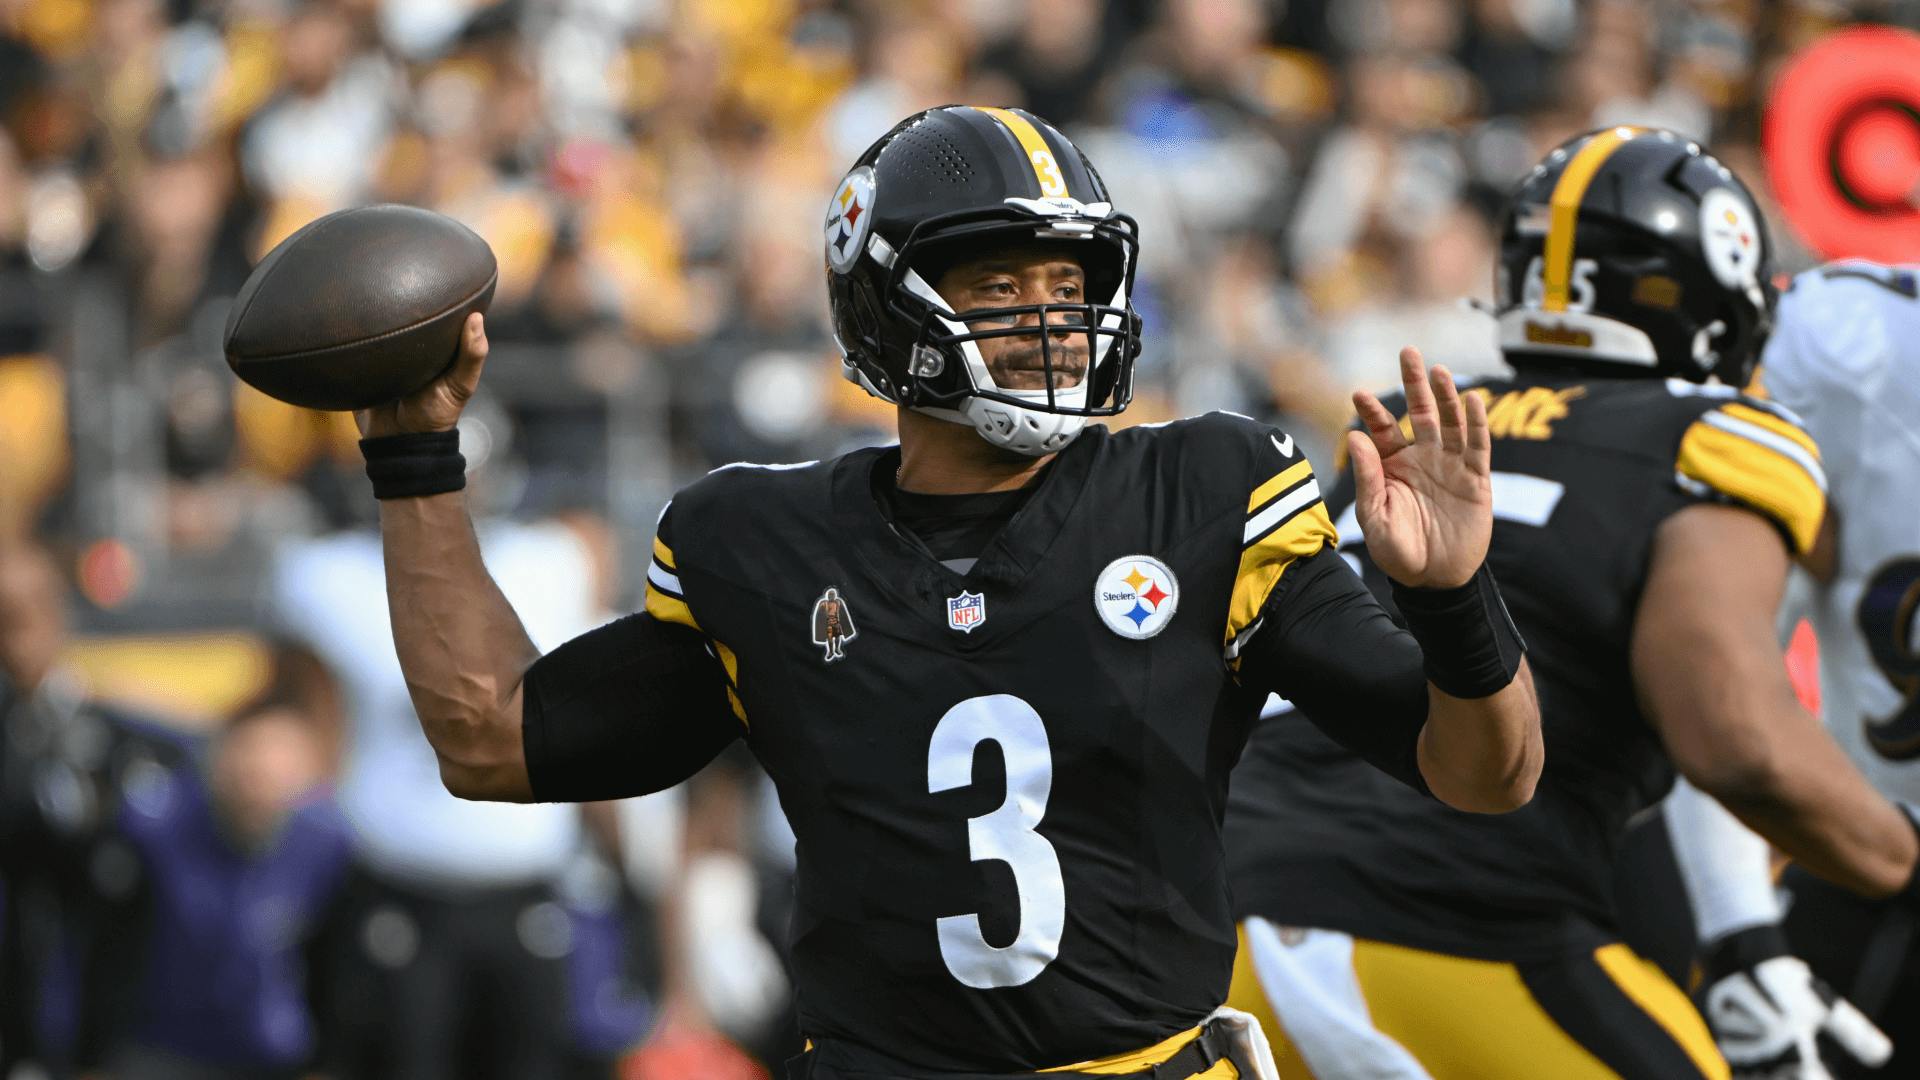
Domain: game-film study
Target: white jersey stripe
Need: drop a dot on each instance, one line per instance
(1780, 444)
(773, 466)
(1279, 510)
(658, 575)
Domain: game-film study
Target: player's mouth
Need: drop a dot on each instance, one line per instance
(1026, 368)
(1065, 375)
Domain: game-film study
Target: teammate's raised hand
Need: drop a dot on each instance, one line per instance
(437, 405)
(1425, 504)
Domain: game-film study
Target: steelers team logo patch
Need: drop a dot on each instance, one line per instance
(849, 220)
(1135, 596)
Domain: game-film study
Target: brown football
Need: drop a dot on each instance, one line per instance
(360, 307)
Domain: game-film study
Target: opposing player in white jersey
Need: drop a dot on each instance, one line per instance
(1844, 356)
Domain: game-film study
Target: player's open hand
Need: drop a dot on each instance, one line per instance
(1425, 504)
(437, 405)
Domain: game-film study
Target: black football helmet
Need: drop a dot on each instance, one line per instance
(1631, 250)
(947, 183)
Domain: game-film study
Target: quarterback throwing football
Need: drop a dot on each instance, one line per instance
(999, 673)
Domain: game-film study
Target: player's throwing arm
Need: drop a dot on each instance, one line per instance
(461, 645)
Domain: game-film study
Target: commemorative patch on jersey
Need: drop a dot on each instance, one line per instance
(848, 220)
(967, 611)
(833, 624)
(1135, 596)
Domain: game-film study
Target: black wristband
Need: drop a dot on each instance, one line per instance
(415, 464)
(1742, 950)
(1470, 645)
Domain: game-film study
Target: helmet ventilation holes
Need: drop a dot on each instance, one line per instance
(934, 156)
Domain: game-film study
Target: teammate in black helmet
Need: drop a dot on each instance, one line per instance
(1631, 252)
(1645, 514)
(998, 673)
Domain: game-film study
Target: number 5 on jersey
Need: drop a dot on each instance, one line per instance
(1006, 834)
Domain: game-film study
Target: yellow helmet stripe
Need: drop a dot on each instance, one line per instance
(1565, 210)
(1046, 170)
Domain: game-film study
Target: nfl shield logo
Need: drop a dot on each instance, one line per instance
(966, 611)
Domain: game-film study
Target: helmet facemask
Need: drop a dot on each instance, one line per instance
(1083, 351)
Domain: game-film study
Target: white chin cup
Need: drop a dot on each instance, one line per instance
(1011, 427)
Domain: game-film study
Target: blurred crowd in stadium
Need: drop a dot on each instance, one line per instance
(1315, 181)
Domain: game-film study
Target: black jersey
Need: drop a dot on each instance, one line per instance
(1007, 785)
(1585, 471)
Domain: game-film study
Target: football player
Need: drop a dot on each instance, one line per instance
(1645, 520)
(1000, 671)
(1842, 361)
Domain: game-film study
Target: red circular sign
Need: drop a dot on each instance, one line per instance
(1842, 141)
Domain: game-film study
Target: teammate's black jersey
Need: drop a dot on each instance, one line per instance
(1008, 786)
(1584, 474)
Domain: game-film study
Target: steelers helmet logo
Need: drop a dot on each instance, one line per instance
(1730, 234)
(849, 219)
(1135, 596)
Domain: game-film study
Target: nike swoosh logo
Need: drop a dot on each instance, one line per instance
(1285, 448)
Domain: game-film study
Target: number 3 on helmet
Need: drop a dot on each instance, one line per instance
(956, 180)
(1632, 250)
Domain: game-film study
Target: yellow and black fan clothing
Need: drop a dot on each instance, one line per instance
(1008, 809)
(1585, 472)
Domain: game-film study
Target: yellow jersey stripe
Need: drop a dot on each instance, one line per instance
(1281, 481)
(1756, 475)
(1133, 1061)
(1261, 565)
(728, 661)
(1786, 429)
(669, 608)
(664, 553)
(1046, 171)
(732, 664)
(1564, 211)
(1663, 1001)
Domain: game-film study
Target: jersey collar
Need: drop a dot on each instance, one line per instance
(1008, 559)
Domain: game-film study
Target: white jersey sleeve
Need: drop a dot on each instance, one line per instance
(1845, 356)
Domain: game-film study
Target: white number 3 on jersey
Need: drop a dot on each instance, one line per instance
(1006, 834)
